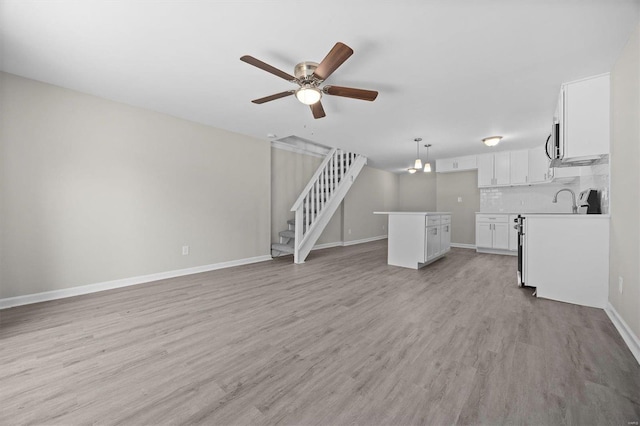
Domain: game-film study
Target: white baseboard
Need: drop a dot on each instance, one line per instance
(364, 240)
(627, 334)
(467, 246)
(327, 245)
(125, 282)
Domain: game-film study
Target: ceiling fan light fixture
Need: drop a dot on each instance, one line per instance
(492, 140)
(308, 95)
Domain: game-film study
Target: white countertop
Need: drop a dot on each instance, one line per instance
(554, 215)
(566, 215)
(415, 213)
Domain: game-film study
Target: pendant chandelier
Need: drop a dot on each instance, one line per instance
(427, 164)
(417, 165)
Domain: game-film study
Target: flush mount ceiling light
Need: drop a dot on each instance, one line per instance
(492, 140)
(427, 164)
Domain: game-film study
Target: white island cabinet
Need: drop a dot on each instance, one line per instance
(417, 238)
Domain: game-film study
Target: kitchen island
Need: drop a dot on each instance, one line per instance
(417, 239)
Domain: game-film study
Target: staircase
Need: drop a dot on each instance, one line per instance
(318, 202)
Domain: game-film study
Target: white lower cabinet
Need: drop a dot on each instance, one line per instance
(501, 236)
(484, 235)
(417, 238)
(433, 237)
(445, 235)
(492, 233)
(435, 240)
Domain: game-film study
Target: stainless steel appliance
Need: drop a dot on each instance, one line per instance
(552, 147)
(589, 202)
(519, 226)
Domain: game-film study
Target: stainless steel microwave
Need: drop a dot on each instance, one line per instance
(552, 147)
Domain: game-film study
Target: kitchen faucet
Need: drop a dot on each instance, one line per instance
(574, 207)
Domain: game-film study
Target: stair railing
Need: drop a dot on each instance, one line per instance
(319, 191)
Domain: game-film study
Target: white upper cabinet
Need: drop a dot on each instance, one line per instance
(502, 168)
(584, 117)
(456, 164)
(468, 162)
(445, 165)
(494, 169)
(485, 170)
(538, 166)
(519, 167)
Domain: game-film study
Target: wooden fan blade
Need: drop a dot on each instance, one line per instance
(350, 92)
(333, 60)
(317, 110)
(266, 67)
(273, 97)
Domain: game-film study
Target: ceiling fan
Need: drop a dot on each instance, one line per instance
(309, 76)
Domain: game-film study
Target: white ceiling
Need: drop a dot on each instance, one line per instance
(450, 71)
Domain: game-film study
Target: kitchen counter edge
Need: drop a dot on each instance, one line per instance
(415, 213)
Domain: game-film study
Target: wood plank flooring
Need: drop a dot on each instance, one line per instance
(341, 339)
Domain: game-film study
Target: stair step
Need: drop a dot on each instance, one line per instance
(288, 234)
(282, 248)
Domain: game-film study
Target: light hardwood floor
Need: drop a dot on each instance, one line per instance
(341, 339)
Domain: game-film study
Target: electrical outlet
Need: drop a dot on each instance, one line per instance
(384, 227)
(459, 199)
(620, 282)
(185, 250)
(349, 231)
(522, 202)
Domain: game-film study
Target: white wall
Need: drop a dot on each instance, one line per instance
(417, 192)
(290, 173)
(373, 190)
(463, 186)
(624, 258)
(93, 190)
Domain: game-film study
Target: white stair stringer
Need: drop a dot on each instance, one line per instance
(322, 197)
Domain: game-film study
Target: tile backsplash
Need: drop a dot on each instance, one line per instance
(537, 198)
(598, 178)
